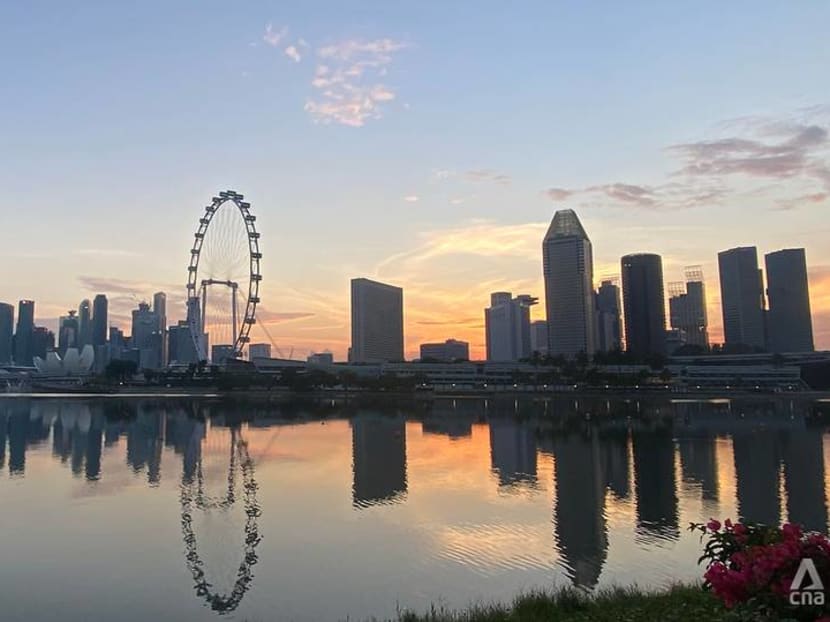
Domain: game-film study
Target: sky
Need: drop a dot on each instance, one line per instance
(424, 144)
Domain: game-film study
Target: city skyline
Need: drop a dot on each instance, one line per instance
(711, 142)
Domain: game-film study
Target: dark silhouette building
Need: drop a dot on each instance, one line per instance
(803, 456)
(100, 311)
(742, 298)
(6, 333)
(654, 483)
(789, 324)
(609, 317)
(644, 304)
(23, 350)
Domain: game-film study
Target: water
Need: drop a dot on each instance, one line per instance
(190, 509)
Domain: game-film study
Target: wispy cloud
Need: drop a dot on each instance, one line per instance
(711, 171)
(348, 81)
(274, 37)
(293, 53)
(277, 317)
(411, 198)
(488, 175)
(106, 252)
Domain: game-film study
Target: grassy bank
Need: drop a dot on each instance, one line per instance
(680, 604)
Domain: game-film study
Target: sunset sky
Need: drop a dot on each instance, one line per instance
(423, 144)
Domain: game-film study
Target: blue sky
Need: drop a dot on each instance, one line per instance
(120, 121)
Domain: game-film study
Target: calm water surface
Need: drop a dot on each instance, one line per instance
(190, 509)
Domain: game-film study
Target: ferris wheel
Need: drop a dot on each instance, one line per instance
(224, 276)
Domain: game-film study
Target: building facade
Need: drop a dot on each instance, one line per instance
(568, 268)
(539, 337)
(644, 304)
(6, 334)
(69, 332)
(687, 308)
(609, 317)
(259, 351)
(789, 321)
(507, 326)
(377, 322)
(100, 320)
(84, 323)
(450, 350)
(742, 298)
(24, 334)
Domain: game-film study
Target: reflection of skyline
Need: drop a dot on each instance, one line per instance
(378, 458)
(581, 533)
(803, 456)
(512, 451)
(757, 469)
(699, 463)
(654, 482)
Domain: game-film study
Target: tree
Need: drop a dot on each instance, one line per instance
(120, 371)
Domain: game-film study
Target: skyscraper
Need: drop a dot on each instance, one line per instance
(377, 322)
(687, 308)
(160, 309)
(539, 337)
(789, 326)
(742, 297)
(609, 317)
(6, 333)
(68, 332)
(100, 310)
(644, 304)
(507, 326)
(146, 337)
(568, 268)
(84, 324)
(23, 354)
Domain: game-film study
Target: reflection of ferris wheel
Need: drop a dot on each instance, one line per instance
(193, 499)
(224, 276)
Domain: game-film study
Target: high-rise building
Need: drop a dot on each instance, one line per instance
(507, 326)
(742, 298)
(6, 333)
(180, 345)
(450, 350)
(100, 310)
(146, 337)
(609, 317)
(84, 324)
(644, 304)
(23, 353)
(69, 332)
(160, 309)
(377, 322)
(687, 308)
(789, 323)
(321, 359)
(539, 337)
(568, 267)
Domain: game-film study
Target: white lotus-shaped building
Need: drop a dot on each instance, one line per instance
(73, 363)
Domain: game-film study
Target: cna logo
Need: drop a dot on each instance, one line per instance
(813, 592)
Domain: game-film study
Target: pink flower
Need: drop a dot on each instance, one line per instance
(713, 525)
(728, 523)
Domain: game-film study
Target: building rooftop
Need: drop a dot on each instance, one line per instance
(565, 224)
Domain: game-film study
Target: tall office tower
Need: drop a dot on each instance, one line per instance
(609, 317)
(146, 337)
(742, 297)
(687, 307)
(644, 304)
(23, 353)
(84, 324)
(6, 333)
(568, 268)
(539, 337)
(789, 326)
(100, 311)
(160, 309)
(69, 332)
(117, 344)
(507, 326)
(377, 322)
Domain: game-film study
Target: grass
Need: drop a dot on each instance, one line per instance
(677, 604)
